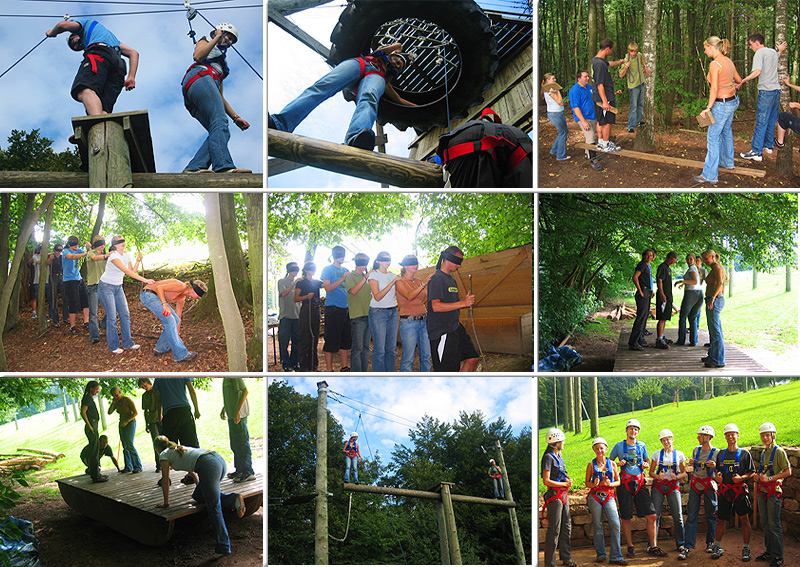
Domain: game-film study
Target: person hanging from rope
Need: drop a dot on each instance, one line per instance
(496, 474)
(602, 477)
(451, 347)
(774, 469)
(203, 98)
(351, 457)
(363, 80)
(101, 75)
(487, 153)
(556, 501)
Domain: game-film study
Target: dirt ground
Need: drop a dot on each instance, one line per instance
(60, 351)
(626, 172)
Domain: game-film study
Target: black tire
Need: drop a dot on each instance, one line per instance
(466, 23)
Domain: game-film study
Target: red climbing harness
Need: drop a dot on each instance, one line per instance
(560, 493)
(737, 489)
(627, 478)
(362, 61)
(94, 59)
(705, 482)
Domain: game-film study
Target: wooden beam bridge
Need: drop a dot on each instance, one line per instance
(47, 179)
(426, 494)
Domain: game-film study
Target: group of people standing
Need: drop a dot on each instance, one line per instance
(691, 305)
(372, 305)
(616, 483)
(105, 272)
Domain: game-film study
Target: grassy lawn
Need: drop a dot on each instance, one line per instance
(49, 431)
(781, 405)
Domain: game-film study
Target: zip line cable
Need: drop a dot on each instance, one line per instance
(373, 407)
(236, 50)
(140, 13)
(371, 414)
(131, 2)
(24, 56)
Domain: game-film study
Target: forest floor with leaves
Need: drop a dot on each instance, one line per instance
(624, 172)
(58, 350)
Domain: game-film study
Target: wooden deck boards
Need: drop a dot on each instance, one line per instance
(680, 358)
(128, 502)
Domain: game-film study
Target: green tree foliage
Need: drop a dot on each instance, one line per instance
(650, 386)
(634, 393)
(30, 151)
(676, 384)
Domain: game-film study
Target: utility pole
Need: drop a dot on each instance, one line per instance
(321, 510)
(511, 511)
(555, 401)
(594, 410)
(577, 399)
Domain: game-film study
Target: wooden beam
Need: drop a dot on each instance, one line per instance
(47, 179)
(425, 494)
(501, 275)
(277, 166)
(674, 161)
(339, 158)
(296, 32)
(136, 127)
(287, 7)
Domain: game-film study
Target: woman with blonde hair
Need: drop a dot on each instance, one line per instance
(722, 103)
(208, 469)
(157, 297)
(555, 114)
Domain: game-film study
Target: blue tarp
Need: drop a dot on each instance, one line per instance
(560, 360)
(20, 551)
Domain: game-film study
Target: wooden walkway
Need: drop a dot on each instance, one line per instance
(127, 502)
(679, 358)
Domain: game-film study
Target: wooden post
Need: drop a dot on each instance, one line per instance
(321, 511)
(512, 512)
(450, 520)
(566, 389)
(555, 401)
(444, 548)
(577, 400)
(380, 141)
(109, 157)
(594, 410)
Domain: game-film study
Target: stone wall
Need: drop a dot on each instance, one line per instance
(582, 532)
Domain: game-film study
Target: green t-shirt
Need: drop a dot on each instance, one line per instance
(232, 389)
(94, 268)
(357, 304)
(780, 462)
(635, 75)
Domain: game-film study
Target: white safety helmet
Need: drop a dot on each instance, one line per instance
(665, 433)
(731, 427)
(706, 430)
(634, 422)
(230, 28)
(599, 440)
(492, 461)
(353, 434)
(555, 435)
(767, 427)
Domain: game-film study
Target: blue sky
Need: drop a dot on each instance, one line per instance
(35, 93)
(409, 398)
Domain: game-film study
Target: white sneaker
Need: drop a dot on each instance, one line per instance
(118, 351)
(135, 347)
(768, 150)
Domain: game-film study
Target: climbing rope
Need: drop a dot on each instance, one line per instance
(347, 529)
(24, 56)
(443, 55)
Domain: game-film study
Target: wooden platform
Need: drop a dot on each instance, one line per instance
(127, 502)
(136, 126)
(673, 160)
(679, 358)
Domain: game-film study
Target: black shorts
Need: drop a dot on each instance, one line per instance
(642, 499)
(337, 329)
(741, 505)
(604, 117)
(103, 71)
(77, 295)
(450, 349)
(664, 314)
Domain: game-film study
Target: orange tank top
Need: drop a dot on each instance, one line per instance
(725, 84)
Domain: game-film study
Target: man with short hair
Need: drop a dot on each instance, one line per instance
(288, 318)
(664, 298)
(765, 67)
(635, 71)
(77, 294)
(152, 414)
(103, 451)
(604, 96)
(715, 303)
(236, 408)
(337, 316)
(580, 99)
(451, 347)
(127, 429)
(178, 421)
(643, 281)
(358, 297)
(101, 75)
(774, 469)
(96, 259)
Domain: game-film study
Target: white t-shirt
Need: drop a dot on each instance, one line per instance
(185, 462)
(698, 286)
(37, 266)
(113, 275)
(669, 458)
(389, 300)
(552, 105)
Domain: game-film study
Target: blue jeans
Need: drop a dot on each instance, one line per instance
(126, 434)
(559, 148)
(55, 289)
(766, 117)
(169, 339)
(690, 309)
(499, 492)
(209, 110)
(114, 302)
(636, 95)
(674, 499)
(717, 351)
(693, 514)
(211, 470)
(94, 301)
(350, 463)
(346, 74)
(720, 139)
(383, 326)
(359, 353)
(288, 329)
(769, 511)
(610, 509)
(414, 334)
(240, 445)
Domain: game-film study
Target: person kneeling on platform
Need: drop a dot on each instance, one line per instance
(209, 470)
(104, 451)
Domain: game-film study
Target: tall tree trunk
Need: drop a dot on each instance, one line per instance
(42, 307)
(783, 161)
(5, 235)
(25, 231)
(788, 278)
(229, 308)
(255, 239)
(594, 411)
(669, 97)
(592, 19)
(577, 41)
(578, 409)
(601, 20)
(646, 135)
(98, 222)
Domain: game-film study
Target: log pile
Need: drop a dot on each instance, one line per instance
(29, 459)
(622, 311)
